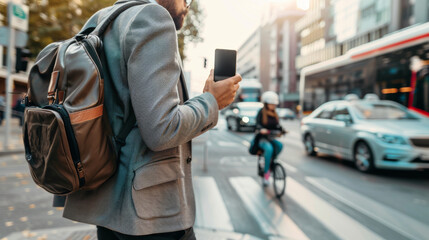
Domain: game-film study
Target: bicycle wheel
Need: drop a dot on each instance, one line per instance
(279, 175)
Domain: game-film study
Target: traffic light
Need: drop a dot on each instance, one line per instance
(205, 62)
(22, 57)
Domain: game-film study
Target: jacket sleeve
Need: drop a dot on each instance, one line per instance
(150, 50)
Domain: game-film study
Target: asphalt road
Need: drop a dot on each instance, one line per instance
(326, 198)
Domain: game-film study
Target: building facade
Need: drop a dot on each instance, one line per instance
(269, 53)
(248, 56)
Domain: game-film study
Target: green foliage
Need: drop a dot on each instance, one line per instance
(3, 14)
(190, 30)
(51, 21)
(57, 20)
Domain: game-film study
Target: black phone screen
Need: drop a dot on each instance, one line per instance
(225, 64)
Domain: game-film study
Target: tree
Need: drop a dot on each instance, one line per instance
(57, 20)
(89, 7)
(190, 31)
(51, 21)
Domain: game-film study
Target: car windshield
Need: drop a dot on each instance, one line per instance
(373, 111)
(249, 110)
(250, 90)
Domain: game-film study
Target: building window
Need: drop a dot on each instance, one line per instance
(368, 12)
(305, 33)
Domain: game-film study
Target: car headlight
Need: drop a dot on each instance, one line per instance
(392, 139)
(245, 119)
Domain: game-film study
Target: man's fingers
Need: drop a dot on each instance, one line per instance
(211, 76)
(237, 78)
(236, 87)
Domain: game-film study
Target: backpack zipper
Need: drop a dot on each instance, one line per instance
(74, 148)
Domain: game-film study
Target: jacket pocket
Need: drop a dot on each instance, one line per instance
(156, 190)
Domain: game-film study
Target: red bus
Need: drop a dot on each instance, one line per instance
(386, 67)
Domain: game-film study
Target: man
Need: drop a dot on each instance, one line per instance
(151, 195)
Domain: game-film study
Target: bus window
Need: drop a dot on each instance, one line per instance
(250, 95)
(421, 91)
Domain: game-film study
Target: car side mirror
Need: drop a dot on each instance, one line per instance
(344, 118)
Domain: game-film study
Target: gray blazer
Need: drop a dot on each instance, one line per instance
(151, 191)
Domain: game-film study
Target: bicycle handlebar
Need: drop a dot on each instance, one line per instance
(273, 132)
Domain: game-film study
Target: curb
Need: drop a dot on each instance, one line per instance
(11, 152)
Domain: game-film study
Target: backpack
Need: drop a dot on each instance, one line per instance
(254, 145)
(69, 145)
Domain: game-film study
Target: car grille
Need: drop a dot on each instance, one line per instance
(420, 142)
(419, 160)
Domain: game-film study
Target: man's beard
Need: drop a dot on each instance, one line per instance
(178, 21)
(178, 18)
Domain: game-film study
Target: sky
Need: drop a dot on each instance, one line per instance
(227, 24)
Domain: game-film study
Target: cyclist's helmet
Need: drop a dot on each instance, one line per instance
(270, 97)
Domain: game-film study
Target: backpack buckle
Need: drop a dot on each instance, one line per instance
(51, 98)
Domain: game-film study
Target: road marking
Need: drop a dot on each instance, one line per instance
(238, 161)
(289, 167)
(211, 210)
(271, 218)
(228, 144)
(246, 143)
(336, 221)
(392, 218)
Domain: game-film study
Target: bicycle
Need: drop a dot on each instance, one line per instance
(278, 171)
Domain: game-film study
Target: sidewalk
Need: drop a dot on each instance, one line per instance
(15, 144)
(87, 232)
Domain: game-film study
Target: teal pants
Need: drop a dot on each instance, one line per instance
(271, 150)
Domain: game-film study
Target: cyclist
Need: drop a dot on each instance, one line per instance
(267, 121)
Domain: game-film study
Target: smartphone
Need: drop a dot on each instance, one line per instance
(225, 64)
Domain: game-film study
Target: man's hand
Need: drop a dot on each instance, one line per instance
(264, 131)
(224, 91)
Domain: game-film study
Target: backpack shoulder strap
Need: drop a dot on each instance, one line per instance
(102, 26)
(99, 31)
(126, 129)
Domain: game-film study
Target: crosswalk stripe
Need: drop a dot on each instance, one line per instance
(211, 210)
(336, 221)
(229, 144)
(392, 218)
(289, 167)
(270, 217)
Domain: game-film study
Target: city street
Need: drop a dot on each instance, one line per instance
(325, 197)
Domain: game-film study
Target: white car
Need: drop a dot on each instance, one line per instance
(372, 133)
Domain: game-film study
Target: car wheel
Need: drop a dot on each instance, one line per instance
(227, 124)
(309, 145)
(239, 129)
(232, 124)
(363, 157)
